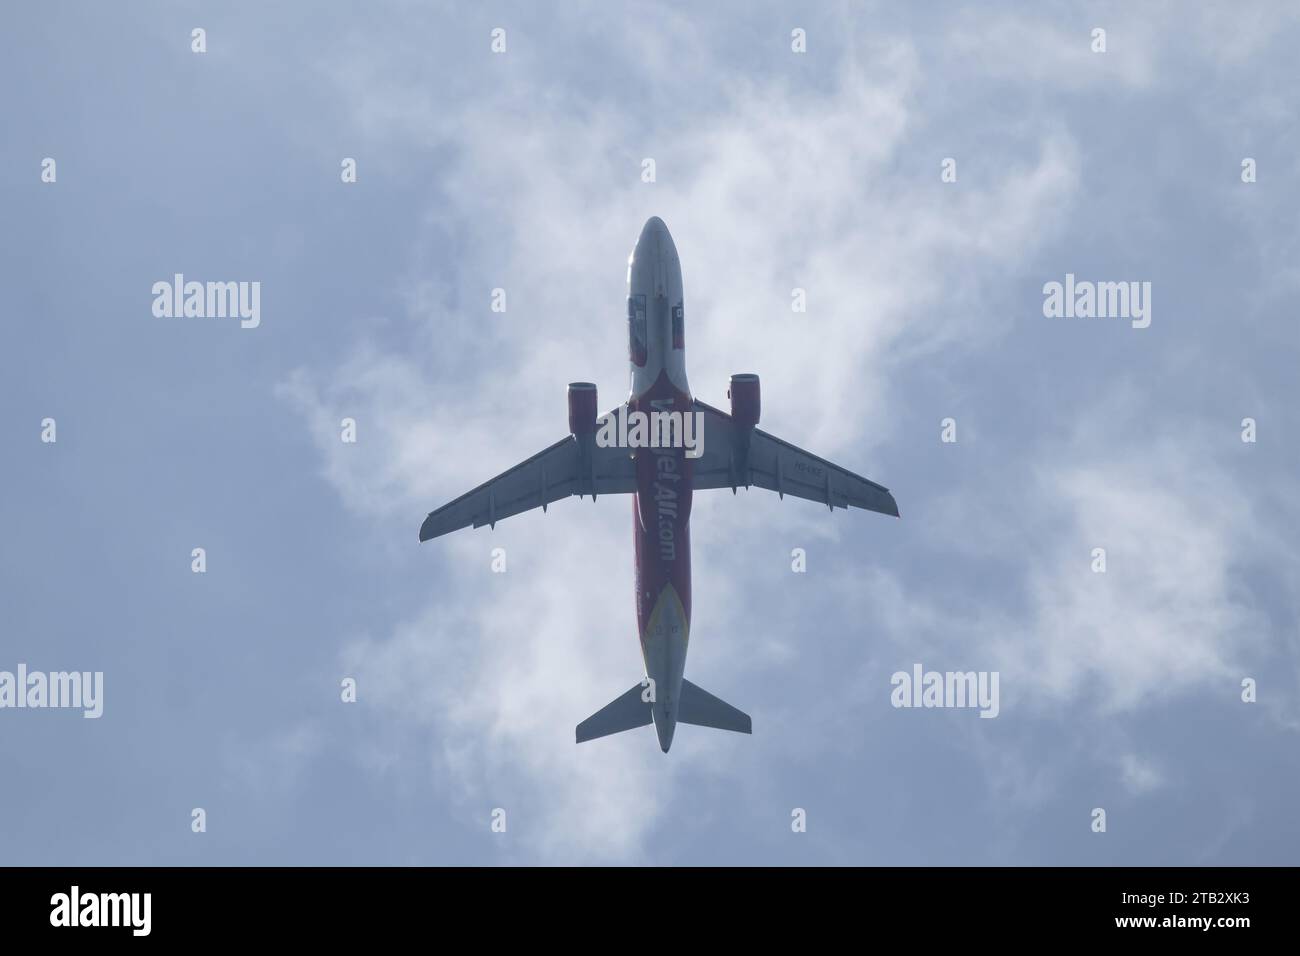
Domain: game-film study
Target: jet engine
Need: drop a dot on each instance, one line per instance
(582, 426)
(745, 402)
(582, 409)
(745, 408)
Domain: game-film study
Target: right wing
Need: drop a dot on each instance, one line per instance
(569, 467)
(781, 467)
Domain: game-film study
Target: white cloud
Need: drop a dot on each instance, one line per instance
(1171, 613)
(1139, 775)
(765, 188)
(500, 683)
(1057, 53)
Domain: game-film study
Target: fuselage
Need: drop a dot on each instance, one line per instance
(662, 502)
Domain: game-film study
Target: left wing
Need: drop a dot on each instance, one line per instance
(771, 463)
(569, 467)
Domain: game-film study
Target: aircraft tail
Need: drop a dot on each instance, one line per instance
(697, 706)
(625, 712)
(702, 709)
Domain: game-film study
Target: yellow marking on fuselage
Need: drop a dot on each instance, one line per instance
(668, 601)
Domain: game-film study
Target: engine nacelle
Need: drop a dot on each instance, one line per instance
(745, 402)
(582, 409)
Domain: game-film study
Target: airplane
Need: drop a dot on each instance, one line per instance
(661, 480)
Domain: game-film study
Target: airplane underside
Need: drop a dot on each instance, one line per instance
(661, 478)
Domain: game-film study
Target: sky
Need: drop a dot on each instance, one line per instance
(1121, 690)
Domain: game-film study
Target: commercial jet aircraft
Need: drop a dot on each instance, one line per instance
(661, 480)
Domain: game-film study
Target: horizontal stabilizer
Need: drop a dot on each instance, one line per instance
(626, 712)
(702, 709)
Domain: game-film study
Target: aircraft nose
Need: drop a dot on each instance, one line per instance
(654, 260)
(650, 244)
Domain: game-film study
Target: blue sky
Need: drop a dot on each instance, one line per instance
(774, 170)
